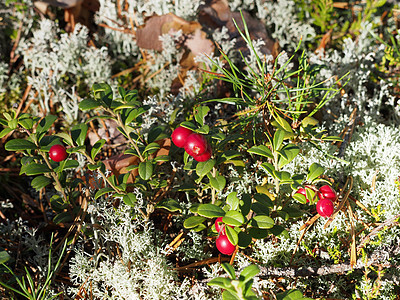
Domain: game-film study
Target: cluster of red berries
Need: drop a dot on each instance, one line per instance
(223, 244)
(58, 153)
(326, 196)
(195, 144)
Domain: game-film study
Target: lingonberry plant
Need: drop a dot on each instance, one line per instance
(58, 153)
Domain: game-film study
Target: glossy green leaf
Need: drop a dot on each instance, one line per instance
(283, 123)
(261, 150)
(193, 221)
(263, 199)
(278, 139)
(45, 124)
(218, 182)
(315, 170)
(300, 198)
(244, 239)
(258, 233)
(232, 235)
(96, 148)
(263, 222)
(205, 167)
(4, 257)
(221, 282)
(205, 129)
(27, 123)
(233, 218)
(233, 200)
(283, 177)
(170, 204)
(249, 272)
(269, 168)
(210, 210)
(145, 170)
(311, 195)
(63, 217)
(40, 182)
(78, 133)
(188, 125)
(34, 169)
(200, 113)
(288, 153)
(230, 295)
(103, 93)
(13, 124)
(66, 138)
(279, 230)
(151, 148)
(88, 104)
(291, 295)
(5, 131)
(19, 145)
(129, 199)
(229, 270)
(103, 191)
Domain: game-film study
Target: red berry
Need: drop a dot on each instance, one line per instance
(205, 156)
(327, 192)
(196, 144)
(325, 207)
(58, 153)
(224, 245)
(180, 135)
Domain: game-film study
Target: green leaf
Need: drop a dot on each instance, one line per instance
(4, 257)
(218, 182)
(244, 239)
(315, 170)
(283, 123)
(231, 154)
(103, 191)
(203, 168)
(300, 198)
(200, 113)
(170, 204)
(234, 218)
(278, 139)
(283, 177)
(96, 148)
(19, 145)
(205, 129)
(193, 221)
(230, 295)
(66, 138)
(288, 153)
(188, 125)
(35, 169)
(232, 235)
(129, 199)
(263, 222)
(229, 270)
(261, 150)
(278, 230)
(221, 282)
(291, 295)
(258, 233)
(40, 182)
(13, 124)
(151, 148)
(311, 195)
(263, 199)
(78, 133)
(269, 168)
(145, 170)
(249, 273)
(63, 217)
(103, 93)
(233, 200)
(245, 204)
(27, 123)
(45, 124)
(87, 104)
(332, 139)
(210, 210)
(5, 131)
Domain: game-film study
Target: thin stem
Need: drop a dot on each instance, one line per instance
(55, 177)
